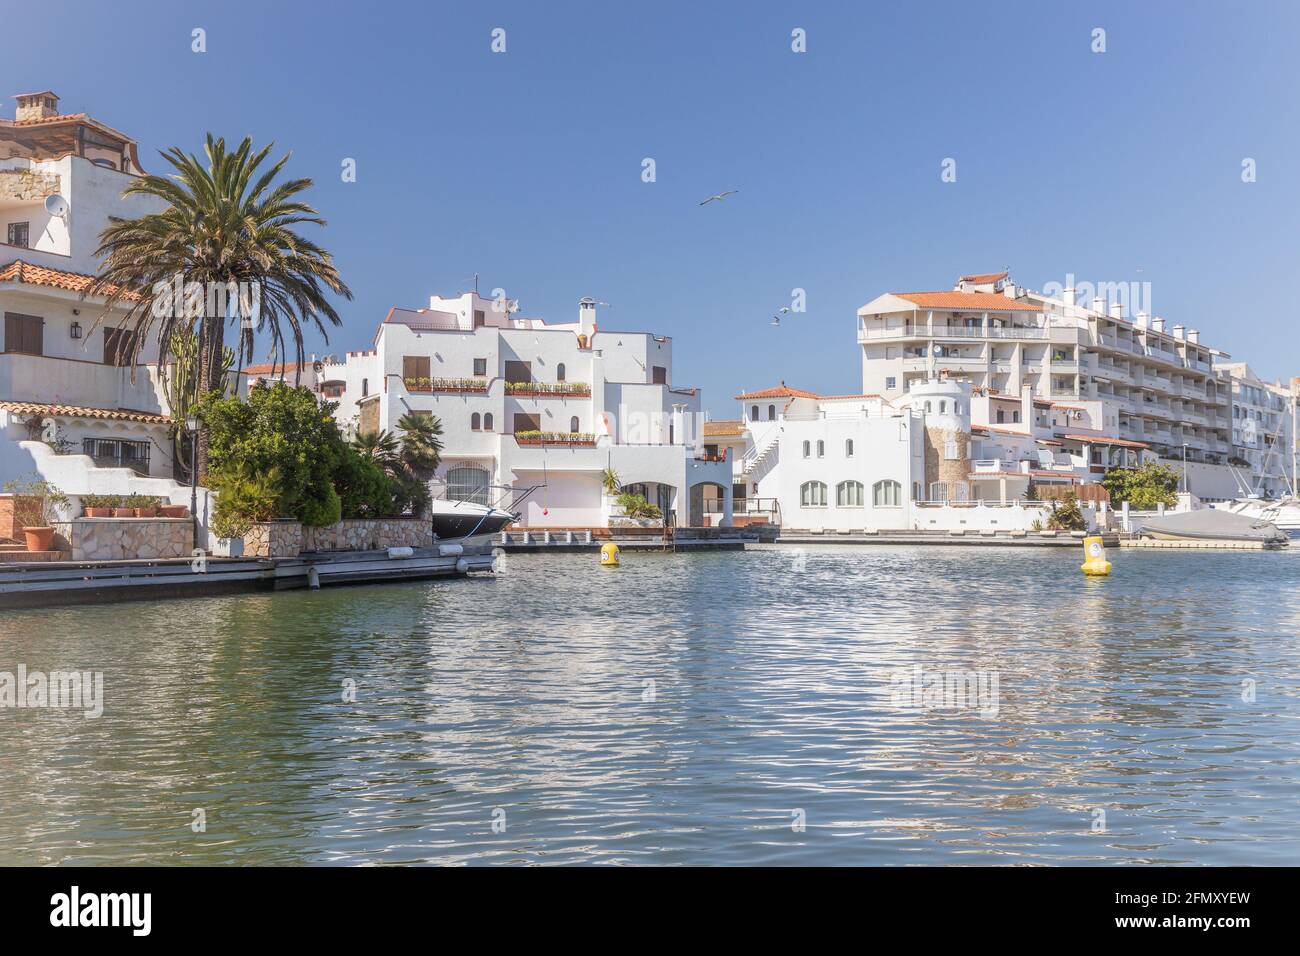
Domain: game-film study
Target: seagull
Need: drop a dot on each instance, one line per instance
(719, 197)
(776, 319)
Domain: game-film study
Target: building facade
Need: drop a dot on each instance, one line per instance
(1263, 432)
(534, 413)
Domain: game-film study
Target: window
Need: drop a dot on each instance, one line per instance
(938, 491)
(480, 366)
(559, 372)
(891, 382)
(333, 389)
(887, 494)
(527, 423)
(943, 407)
(475, 422)
(480, 318)
(487, 422)
(658, 375)
(848, 448)
(928, 409)
(1002, 416)
(753, 413)
(950, 452)
(415, 366)
(468, 483)
(771, 413)
(519, 371)
(1015, 416)
(573, 425)
(821, 449)
(365, 387)
(807, 449)
(115, 453)
(812, 494)
(24, 333)
(848, 494)
(18, 234)
(916, 491)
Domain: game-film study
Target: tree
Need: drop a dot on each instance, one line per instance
(421, 453)
(1143, 488)
(225, 227)
(381, 447)
(181, 382)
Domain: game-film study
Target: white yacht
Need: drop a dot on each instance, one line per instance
(1283, 512)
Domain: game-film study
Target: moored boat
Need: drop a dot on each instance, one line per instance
(1214, 525)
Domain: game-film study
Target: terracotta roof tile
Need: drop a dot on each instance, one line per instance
(981, 278)
(83, 411)
(268, 368)
(1099, 440)
(967, 301)
(723, 428)
(780, 391)
(25, 272)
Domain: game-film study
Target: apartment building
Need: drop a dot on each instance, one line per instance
(1133, 380)
(528, 404)
(1263, 435)
(68, 400)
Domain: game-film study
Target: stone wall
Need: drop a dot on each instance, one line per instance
(948, 470)
(369, 535)
(273, 539)
(27, 184)
(125, 539)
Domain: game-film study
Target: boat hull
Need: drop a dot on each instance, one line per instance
(458, 524)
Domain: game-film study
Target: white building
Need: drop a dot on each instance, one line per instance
(1263, 437)
(1132, 381)
(68, 403)
(529, 404)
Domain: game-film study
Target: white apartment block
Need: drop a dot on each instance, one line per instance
(68, 403)
(1127, 379)
(525, 403)
(1263, 431)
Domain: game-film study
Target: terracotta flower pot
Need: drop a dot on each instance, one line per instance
(146, 512)
(123, 512)
(174, 511)
(39, 539)
(99, 512)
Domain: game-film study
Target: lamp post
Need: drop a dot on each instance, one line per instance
(1185, 488)
(192, 426)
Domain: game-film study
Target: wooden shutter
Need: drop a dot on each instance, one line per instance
(24, 333)
(415, 366)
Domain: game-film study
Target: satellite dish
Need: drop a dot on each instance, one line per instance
(56, 206)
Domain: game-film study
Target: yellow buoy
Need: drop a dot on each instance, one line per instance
(609, 555)
(1094, 557)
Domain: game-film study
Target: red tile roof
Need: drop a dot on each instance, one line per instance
(25, 272)
(981, 278)
(721, 429)
(269, 368)
(845, 398)
(83, 411)
(967, 301)
(781, 391)
(1099, 440)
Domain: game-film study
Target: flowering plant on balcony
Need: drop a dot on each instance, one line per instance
(555, 438)
(426, 384)
(548, 388)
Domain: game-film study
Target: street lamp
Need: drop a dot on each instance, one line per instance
(192, 426)
(1185, 488)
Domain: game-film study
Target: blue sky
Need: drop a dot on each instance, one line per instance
(525, 166)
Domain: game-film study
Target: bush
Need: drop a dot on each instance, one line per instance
(1067, 515)
(364, 490)
(636, 506)
(1143, 488)
(243, 498)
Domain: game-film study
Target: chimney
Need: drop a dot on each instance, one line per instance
(1099, 305)
(33, 106)
(1143, 320)
(1194, 335)
(1117, 310)
(1158, 323)
(587, 316)
(1178, 331)
(1067, 296)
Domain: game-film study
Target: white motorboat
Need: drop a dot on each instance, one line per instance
(459, 520)
(1213, 525)
(1283, 512)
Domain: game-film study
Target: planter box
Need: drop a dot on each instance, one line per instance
(124, 539)
(545, 393)
(12, 509)
(273, 539)
(577, 443)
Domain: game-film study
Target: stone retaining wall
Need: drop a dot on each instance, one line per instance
(273, 539)
(124, 539)
(373, 534)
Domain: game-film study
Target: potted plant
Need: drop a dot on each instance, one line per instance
(98, 506)
(146, 506)
(122, 507)
(174, 511)
(37, 505)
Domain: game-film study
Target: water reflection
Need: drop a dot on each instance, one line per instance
(678, 710)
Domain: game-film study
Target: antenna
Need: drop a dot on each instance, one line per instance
(56, 206)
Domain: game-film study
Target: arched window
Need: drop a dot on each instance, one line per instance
(365, 387)
(943, 406)
(807, 449)
(821, 448)
(812, 494)
(573, 424)
(887, 494)
(848, 448)
(1002, 416)
(956, 408)
(927, 405)
(771, 413)
(938, 491)
(950, 450)
(1015, 416)
(475, 422)
(487, 422)
(559, 372)
(916, 491)
(848, 494)
(468, 483)
(753, 413)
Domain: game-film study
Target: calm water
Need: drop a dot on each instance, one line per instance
(527, 699)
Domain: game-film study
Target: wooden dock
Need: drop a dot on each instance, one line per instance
(1200, 545)
(1016, 539)
(54, 583)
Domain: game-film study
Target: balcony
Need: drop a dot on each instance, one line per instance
(949, 332)
(548, 389)
(451, 385)
(68, 381)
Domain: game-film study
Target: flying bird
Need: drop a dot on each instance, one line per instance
(776, 319)
(719, 197)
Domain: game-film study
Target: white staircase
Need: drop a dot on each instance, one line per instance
(759, 454)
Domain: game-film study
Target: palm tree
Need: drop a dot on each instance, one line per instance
(225, 226)
(421, 444)
(381, 447)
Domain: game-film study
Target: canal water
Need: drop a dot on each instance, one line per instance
(831, 705)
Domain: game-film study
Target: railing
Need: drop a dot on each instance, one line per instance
(575, 389)
(953, 332)
(118, 453)
(445, 384)
(555, 438)
(720, 456)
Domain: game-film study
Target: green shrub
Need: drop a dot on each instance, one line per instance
(1143, 488)
(364, 489)
(636, 506)
(243, 498)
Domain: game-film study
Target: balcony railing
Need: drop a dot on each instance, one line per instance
(951, 332)
(477, 385)
(562, 389)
